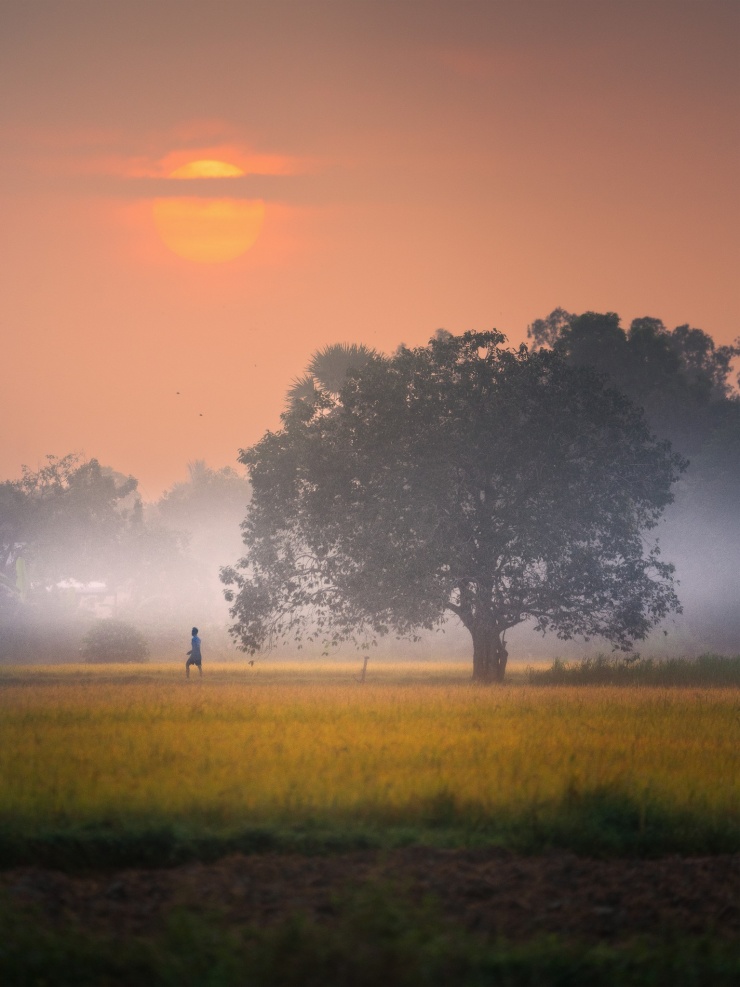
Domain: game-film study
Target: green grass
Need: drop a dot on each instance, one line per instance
(109, 768)
(594, 823)
(702, 672)
(376, 937)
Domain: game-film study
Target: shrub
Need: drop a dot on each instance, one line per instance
(114, 640)
(706, 670)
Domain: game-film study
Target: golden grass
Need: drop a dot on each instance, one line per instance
(294, 742)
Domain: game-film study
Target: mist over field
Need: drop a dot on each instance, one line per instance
(81, 546)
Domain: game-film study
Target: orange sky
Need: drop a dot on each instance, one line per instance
(422, 165)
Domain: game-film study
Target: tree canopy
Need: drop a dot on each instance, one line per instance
(684, 382)
(327, 370)
(68, 519)
(680, 377)
(461, 478)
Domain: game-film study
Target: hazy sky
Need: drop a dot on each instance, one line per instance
(422, 163)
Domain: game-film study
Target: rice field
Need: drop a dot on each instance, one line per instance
(306, 745)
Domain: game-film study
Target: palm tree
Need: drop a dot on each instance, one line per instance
(302, 389)
(327, 370)
(331, 365)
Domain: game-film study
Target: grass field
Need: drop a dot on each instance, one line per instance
(302, 751)
(111, 772)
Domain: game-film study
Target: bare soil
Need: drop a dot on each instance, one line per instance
(493, 892)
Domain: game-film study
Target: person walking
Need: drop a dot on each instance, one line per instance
(194, 657)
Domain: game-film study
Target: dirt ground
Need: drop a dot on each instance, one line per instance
(491, 891)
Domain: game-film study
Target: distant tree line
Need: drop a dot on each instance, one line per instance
(77, 540)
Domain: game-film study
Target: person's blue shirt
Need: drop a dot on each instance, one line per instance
(195, 648)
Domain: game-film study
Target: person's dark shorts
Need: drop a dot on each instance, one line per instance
(193, 661)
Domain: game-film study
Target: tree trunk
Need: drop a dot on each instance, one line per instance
(489, 654)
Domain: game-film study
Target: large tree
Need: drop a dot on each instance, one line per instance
(458, 478)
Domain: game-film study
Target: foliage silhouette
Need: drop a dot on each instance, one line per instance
(327, 371)
(684, 383)
(114, 641)
(69, 520)
(459, 478)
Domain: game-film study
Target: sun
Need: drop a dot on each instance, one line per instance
(208, 230)
(207, 168)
